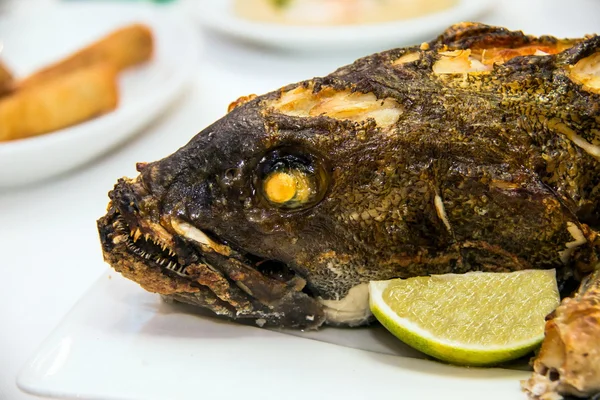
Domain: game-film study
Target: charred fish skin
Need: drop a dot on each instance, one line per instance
(475, 151)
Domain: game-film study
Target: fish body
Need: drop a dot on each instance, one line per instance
(476, 151)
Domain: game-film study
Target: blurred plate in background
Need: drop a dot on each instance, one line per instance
(39, 36)
(220, 16)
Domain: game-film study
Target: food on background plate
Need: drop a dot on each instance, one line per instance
(417, 161)
(336, 12)
(73, 90)
(6, 79)
(123, 48)
(56, 103)
(473, 319)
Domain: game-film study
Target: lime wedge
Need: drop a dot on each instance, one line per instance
(475, 319)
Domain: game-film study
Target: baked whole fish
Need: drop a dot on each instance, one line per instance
(477, 151)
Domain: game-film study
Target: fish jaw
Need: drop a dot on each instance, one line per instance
(171, 257)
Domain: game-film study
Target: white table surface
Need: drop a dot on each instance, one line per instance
(48, 239)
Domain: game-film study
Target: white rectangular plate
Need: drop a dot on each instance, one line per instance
(121, 342)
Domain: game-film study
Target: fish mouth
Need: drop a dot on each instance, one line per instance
(146, 247)
(172, 257)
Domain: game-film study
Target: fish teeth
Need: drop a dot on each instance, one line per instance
(137, 234)
(119, 239)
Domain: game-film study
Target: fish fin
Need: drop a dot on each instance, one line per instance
(240, 101)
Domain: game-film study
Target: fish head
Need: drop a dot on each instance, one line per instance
(245, 213)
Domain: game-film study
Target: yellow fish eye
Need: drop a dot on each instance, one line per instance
(291, 179)
(292, 187)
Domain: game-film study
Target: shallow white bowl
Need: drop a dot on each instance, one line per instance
(37, 37)
(218, 16)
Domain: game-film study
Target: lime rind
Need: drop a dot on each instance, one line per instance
(451, 352)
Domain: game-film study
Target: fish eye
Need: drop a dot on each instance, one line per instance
(285, 187)
(291, 180)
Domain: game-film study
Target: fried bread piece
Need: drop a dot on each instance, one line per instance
(123, 48)
(58, 103)
(6, 79)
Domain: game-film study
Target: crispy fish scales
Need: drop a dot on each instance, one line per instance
(476, 151)
(123, 48)
(569, 360)
(59, 103)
